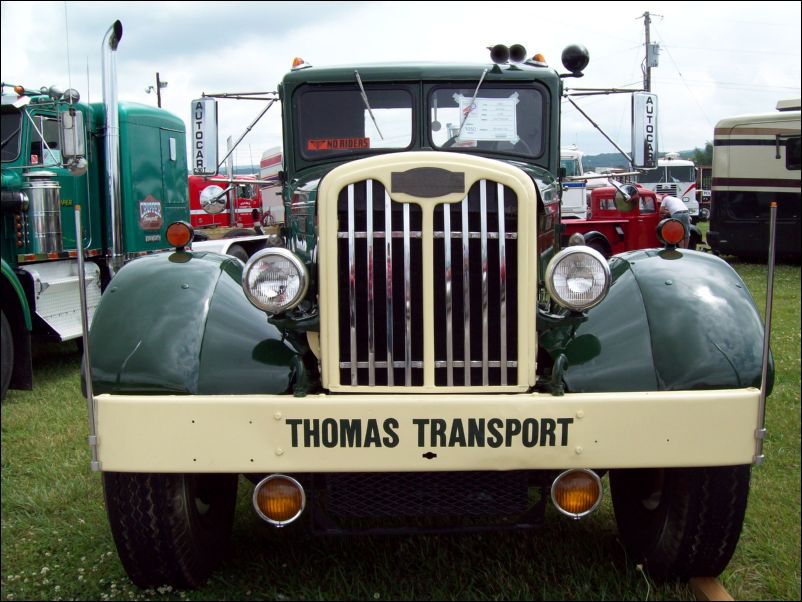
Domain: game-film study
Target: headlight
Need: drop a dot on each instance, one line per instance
(578, 278)
(275, 280)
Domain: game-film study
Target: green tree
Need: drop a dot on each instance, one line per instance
(703, 157)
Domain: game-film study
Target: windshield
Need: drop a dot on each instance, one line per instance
(571, 167)
(11, 121)
(334, 121)
(673, 174)
(682, 173)
(502, 118)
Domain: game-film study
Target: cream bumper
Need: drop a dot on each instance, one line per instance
(391, 433)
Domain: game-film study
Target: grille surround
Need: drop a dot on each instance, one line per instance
(346, 233)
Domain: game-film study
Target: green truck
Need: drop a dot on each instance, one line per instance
(418, 353)
(125, 165)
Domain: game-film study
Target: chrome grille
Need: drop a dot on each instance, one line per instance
(381, 304)
(380, 288)
(671, 189)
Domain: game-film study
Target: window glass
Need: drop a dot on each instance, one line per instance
(504, 119)
(336, 121)
(792, 152)
(681, 173)
(11, 121)
(571, 167)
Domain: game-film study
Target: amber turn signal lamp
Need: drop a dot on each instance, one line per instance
(670, 231)
(179, 235)
(279, 499)
(577, 492)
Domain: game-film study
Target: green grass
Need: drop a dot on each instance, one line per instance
(56, 542)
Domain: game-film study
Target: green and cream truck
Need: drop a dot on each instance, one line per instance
(417, 352)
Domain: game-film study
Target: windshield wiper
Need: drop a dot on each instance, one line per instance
(367, 104)
(473, 100)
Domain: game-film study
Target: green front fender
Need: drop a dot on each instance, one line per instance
(673, 320)
(180, 323)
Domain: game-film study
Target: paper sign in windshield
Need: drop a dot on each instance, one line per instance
(330, 144)
(488, 119)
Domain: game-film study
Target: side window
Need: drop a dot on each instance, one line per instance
(45, 152)
(792, 152)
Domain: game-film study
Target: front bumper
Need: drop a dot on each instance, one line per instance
(398, 433)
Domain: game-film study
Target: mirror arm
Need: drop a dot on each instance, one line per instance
(596, 125)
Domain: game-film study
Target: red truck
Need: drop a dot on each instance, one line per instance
(613, 226)
(210, 198)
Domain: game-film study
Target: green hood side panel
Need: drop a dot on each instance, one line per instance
(612, 350)
(179, 323)
(242, 353)
(673, 320)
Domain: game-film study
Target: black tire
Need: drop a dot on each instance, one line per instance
(680, 522)
(694, 241)
(170, 529)
(6, 355)
(599, 245)
(239, 252)
(237, 232)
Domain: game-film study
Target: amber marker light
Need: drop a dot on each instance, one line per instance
(539, 58)
(577, 492)
(279, 499)
(179, 235)
(670, 231)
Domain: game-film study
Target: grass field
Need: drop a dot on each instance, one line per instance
(56, 542)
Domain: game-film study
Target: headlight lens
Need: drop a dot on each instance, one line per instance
(275, 280)
(578, 278)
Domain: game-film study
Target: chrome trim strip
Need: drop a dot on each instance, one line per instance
(352, 281)
(485, 294)
(418, 234)
(502, 275)
(382, 364)
(437, 364)
(466, 292)
(388, 277)
(449, 304)
(371, 292)
(407, 302)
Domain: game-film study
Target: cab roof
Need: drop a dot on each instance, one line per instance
(398, 72)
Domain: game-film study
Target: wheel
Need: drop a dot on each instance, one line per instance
(6, 355)
(170, 529)
(237, 232)
(680, 522)
(694, 241)
(239, 252)
(599, 245)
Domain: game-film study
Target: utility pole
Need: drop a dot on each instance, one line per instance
(158, 88)
(159, 83)
(652, 52)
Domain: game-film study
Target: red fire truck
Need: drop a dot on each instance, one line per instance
(218, 202)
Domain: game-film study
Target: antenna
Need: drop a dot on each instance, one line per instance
(67, 30)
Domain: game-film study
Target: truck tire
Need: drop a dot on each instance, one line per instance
(6, 355)
(170, 529)
(601, 245)
(680, 522)
(239, 252)
(237, 232)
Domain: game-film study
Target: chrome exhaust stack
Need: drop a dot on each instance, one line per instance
(112, 144)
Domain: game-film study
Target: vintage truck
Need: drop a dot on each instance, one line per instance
(615, 225)
(419, 353)
(125, 164)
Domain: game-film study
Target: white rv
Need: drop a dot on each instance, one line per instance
(675, 177)
(272, 202)
(756, 161)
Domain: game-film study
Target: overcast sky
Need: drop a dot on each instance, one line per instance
(717, 59)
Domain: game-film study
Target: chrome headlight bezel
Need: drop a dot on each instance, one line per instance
(295, 262)
(569, 253)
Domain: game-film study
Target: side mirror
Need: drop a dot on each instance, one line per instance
(204, 137)
(626, 196)
(72, 140)
(644, 130)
